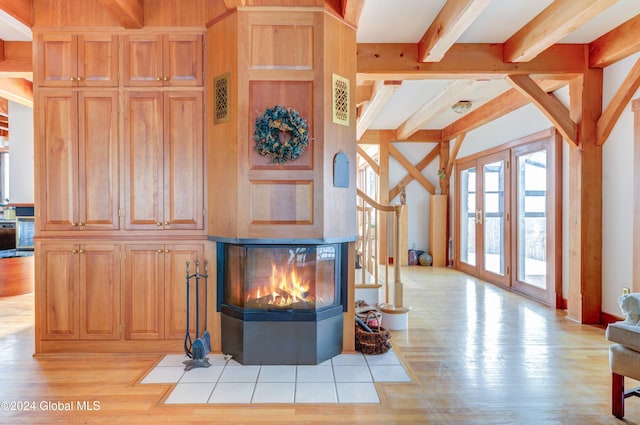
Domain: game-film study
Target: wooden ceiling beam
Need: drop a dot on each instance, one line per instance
(548, 104)
(17, 90)
(21, 10)
(452, 21)
(415, 173)
(615, 45)
(620, 100)
(130, 13)
(550, 26)
(382, 92)
(451, 94)
(499, 106)
(351, 10)
(399, 61)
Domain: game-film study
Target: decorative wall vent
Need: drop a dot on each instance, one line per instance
(341, 103)
(221, 88)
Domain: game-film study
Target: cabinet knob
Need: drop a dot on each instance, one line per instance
(159, 223)
(78, 78)
(74, 251)
(74, 224)
(159, 251)
(81, 251)
(165, 78)
(81, 224)
(71, 79)
(158, 78)
(166, 223)
(166, 250)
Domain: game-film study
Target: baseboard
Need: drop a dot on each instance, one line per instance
(606, 318)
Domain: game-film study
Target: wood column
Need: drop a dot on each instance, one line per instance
(585, 201)
(383, 181)
(635, 107)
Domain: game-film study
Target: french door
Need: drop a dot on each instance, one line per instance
(508, 221)
(484, 226)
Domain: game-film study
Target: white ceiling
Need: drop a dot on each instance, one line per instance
(405, 21)
(13, 30)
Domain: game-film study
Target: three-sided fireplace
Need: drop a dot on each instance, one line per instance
(281, 303)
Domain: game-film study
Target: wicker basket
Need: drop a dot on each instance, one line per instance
(375, 342)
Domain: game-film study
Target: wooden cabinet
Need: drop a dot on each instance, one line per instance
(155, 295)
(78, 140)
(163, 60)
(164, 160)
(438, 229)
(66, 60)
(79, 287)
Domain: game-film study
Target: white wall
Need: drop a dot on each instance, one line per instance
(21, 162)
(617, 190)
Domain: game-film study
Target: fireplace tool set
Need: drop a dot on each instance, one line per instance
(197, 349)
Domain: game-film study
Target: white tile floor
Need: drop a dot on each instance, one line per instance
(346, 378)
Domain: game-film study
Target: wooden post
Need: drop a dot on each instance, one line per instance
(585, 201)
(635, 107)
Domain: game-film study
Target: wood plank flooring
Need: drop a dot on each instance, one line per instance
(477, 354)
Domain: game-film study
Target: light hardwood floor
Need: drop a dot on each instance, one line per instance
(477, 354)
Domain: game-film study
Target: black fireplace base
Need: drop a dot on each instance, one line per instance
(284, 342)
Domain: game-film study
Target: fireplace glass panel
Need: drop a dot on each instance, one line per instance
(280, 277)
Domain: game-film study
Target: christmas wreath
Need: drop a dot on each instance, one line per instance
(281, 134)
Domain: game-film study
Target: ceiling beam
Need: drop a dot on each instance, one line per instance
(130, 13)
(550, 26)
(497, 107)
(351, 10)
(452, 20)
(233, 4)
(382, 92)
(17, 60)
(620, 100)
(17, 90)
(415, 173)
(399, 61)
(548, 104)
(452, 93)
(615, 45)
(21, 10)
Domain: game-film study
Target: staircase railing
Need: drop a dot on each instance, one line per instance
(368, 247)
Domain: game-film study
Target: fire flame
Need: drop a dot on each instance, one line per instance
(285, 288)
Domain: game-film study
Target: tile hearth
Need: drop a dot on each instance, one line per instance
(346, 378)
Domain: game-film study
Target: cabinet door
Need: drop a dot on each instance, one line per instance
(58, 300)
(143, 60)
(58, 155)
(97, 60)
(57, 60)
(143, 160)
(182, 60)
(183, 165)
(98, 184)
(99, 291)
(144, 292)
(176, 257)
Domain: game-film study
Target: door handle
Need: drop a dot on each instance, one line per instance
(479, 216)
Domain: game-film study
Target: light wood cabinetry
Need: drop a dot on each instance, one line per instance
(438, 229)
(78, 139)
(164, 160)
(79, 290)
(163, 60)
(66, 60)
(155, 295)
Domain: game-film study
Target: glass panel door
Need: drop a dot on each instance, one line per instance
(493, 222)
(532, 182)
(482, 226)
(467, 217)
